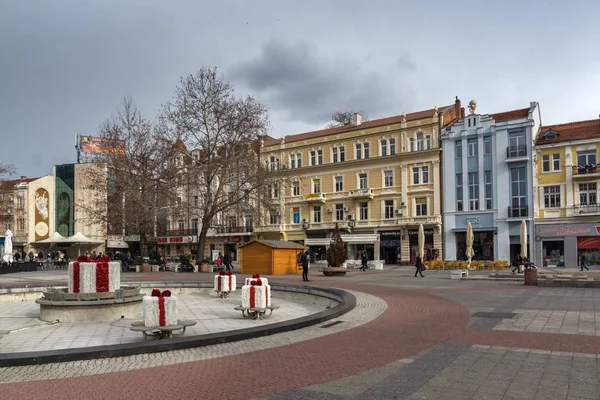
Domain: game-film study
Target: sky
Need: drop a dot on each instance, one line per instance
(66, 65)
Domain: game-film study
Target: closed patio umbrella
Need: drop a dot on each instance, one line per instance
(523, 239)
(8, 247)
(421, 241)
(470, 238)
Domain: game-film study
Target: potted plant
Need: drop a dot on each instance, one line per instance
(146, 264)
(204, 264)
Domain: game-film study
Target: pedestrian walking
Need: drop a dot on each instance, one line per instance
(304, 262)
(227, 261)
(582, 263)
(517, 262)
(419, 266)
(364, 259)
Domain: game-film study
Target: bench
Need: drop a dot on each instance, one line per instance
(161, 332)
(459, 274)
(136, 268)
(215, 268)
(255, 313)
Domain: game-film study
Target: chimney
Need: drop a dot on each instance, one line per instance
(23, 177)
(457, 108)
(357, 119)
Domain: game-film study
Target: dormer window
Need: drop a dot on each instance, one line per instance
(551, 135)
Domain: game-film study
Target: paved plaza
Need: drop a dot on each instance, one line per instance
(408, 338)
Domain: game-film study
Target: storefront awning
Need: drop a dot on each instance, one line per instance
(117, 244)
(491, 229)
(350, 239)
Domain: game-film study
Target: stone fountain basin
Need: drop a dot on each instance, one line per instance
(61, 294)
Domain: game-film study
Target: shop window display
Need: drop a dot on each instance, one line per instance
(483, 246)
(589, 247)
(553, 253)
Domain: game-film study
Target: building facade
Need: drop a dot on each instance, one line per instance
(567, 177)
(487, 170)
(376, 180)
(15, 214)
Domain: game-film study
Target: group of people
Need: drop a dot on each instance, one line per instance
(225, 260)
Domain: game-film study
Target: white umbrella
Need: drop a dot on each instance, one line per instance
(8, 247)
(421, 241)
(470, 238)
(523, 239)
(54, 238)
(79, 239)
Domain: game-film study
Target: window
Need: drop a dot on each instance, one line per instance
(459, 192)
(552, 196)
(425, 174)
(546, 163)
(339, 212)
(275, 190)
(392, 146)
(472, 146)
(273, 163)
(419, 141)
(459, 149)
(230, 175)
(178, 201)
(556, 162)
(587, 194)
(195, 201)
(421, 207)
(388, 208)
(428, 142)
(195, 224)
(366, 150)
(231, 221)
(587, 157)
(320, 157)
(339, 184)
(21, 224)
(248, 223)
(358, 151)
(342, 154)
(296, 189)
(296, 215)
(299, 160)
(473, 191)
(273, 218)
(383, 147)
(412, 144)
(416, 176)
(517, 145)
(181, 224)
(317, 214)
(313, 158)
(362, 181)
(334, 154)
(487, 176)
(487, 145)
(316, 186)
(364, 211)
(292, 161)
(388, 178)
(518, 188)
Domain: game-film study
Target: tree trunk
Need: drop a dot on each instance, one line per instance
(201, 242)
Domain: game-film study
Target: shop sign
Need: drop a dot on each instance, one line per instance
(389, 235)
(132, 238)
(235, 239)
(175, 239)
(474, 220)
(588, 242)
(312, 196)
(416, 232)
(569, 230)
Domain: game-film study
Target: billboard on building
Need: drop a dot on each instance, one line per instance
(98, 145)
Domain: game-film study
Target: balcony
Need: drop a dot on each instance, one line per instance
(427, 219)
(516, 153)
(518, 212)
(233, 229)
(182, 232)
(586, 209)
(315, 197)
(366, 193)
(269, 228)
(586, 171)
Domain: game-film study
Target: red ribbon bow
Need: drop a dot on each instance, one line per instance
(157, 293)
(161, 304)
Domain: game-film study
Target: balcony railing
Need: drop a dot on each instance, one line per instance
(586, 169)
(516, 151)
(234, 229)
(361, 193)
(315, 197)
(182, 232)
(586, 209)
(518, 212)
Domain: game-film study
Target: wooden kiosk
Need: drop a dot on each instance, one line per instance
(270, 257)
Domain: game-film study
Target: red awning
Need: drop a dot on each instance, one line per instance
(588, 242)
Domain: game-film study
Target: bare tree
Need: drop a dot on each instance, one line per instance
(6, 196)
(222, 134)
(344, 118)
(129, 185)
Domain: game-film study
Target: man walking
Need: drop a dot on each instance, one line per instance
(419, 266)
(227, 261)
(304, 262)
(364, 259)
(582, 263)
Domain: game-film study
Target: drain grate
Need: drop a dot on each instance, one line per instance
(500, 315)
(332, 324)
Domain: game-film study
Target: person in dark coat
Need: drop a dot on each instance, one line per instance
(304, 262)
(227, 261)
(419, 266)
(517, 262)
(364, 259)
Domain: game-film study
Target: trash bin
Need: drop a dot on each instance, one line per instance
(531, 277)
(146, 264)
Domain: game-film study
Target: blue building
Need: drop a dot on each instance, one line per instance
(488, 181)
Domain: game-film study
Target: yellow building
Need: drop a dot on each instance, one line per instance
(566, 180)
(377, 180)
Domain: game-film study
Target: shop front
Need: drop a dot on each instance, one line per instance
(484, 238)
(175, 246)
(231, 243)
(317, 241)
(561, 245)
(429, 253)
(389, 246)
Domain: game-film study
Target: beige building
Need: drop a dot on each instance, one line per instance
(377, 180)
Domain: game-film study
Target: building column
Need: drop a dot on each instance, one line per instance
(404, 246)
(438, 241)
(376, 250)
(437, 210)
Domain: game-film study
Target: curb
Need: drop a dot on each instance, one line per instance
(347, 302)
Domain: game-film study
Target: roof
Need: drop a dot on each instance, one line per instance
(579, 130)
(365, 125)
(278, 244)
(514, 114)
(9, 184)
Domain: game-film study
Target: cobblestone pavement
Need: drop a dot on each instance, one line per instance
(419, 338)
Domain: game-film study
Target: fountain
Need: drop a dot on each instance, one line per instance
(94, 294)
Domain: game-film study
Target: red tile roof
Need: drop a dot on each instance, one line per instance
(578, 130)
(503, 116)
(365, 125)
(9, 184)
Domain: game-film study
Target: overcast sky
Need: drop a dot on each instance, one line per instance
(65, 66)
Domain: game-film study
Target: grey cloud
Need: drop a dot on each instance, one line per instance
(405, 63)
(309, 87)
